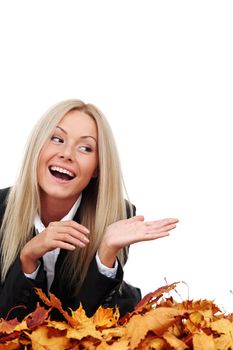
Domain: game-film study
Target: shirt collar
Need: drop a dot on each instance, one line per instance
(39, 226)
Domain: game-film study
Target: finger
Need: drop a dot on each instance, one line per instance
(136, 218)
(71, 223)
(162, 223)
(155, 229)
(62, 229)
(68, 246)
(153, 236)
(77, 242)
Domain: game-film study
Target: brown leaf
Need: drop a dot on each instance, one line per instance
(7, 327)
(37, 317)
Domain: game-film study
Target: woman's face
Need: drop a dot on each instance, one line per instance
(69, 159)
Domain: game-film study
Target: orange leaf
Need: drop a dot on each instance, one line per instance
(105, 318)
(201, 341)
(54, 302)
(156, 320)
(42, 340)
(8, 326)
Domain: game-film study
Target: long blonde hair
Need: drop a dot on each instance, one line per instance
(102, 204)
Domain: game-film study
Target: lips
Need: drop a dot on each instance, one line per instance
(61, 173)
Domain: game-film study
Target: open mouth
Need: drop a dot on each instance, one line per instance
(61, 173)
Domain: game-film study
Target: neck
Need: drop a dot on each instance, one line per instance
(54, 209)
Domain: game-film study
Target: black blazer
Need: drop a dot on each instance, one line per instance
(96, 290)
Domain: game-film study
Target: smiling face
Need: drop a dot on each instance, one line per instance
(68, 160)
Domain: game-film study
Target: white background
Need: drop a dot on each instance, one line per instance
(161, 71)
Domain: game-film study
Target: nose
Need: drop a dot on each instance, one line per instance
(66, 153)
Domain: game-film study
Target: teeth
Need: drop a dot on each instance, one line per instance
(62, 170)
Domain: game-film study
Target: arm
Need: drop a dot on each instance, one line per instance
(18, 290)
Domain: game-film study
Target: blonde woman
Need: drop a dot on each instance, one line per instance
(65, 225)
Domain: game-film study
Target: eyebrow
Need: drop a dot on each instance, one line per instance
(82, 137)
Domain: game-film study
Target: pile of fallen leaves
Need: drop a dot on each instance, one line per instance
(158, 322)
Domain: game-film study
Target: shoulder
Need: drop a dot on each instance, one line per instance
(130, 209)
(3, 199)
(3, 194)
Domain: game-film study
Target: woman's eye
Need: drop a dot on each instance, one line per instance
(85, 148)
(56, 139)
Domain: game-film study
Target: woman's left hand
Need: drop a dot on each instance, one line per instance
(125, 232)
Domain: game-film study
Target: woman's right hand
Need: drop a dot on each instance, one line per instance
(62, 234)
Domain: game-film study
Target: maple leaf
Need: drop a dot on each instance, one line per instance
(148, 301)
(37, 317)
(110, 333)
(7, 327)
(13, 345)
(80, 316)
(119, 345)
(54, 302)
(43, 340)
(153, 297)
(157, 320)
(201, 341)
(225, 328)
(88, 330)
(105, 318)
(174, 342)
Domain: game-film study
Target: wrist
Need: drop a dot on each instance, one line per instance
(28, 264)
(107, 256)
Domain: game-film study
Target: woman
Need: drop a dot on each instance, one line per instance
(65, 225)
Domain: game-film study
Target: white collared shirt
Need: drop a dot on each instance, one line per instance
(50, 257)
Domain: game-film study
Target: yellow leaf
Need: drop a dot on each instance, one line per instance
(225, 328)
(80, 333)
(105, 317)
(117, 332)
(156, 320)
(43, 339)
(158, 344)
(80, 316)
(118, 345)
(22, 326)
(58, 325)
(174, 342)
(202, 341)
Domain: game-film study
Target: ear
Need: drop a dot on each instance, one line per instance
(95, 173)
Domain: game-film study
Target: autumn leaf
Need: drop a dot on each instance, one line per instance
(43, 340)
(12, 345)
(225, 329)
(156, 320)
(37, 317)
(157, 323)
(7, 327)
(105, 318)
(54, 302)
(201, 341)
(174, 342)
